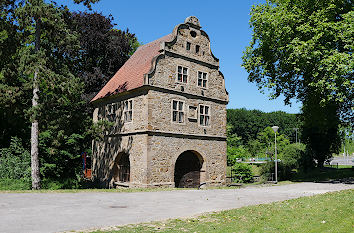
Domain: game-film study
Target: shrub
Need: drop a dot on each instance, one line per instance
(234, 153)
(293, 157)
(242, 173)
(268, 170)
(15, 166)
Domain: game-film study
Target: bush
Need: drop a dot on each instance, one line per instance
(268, 170)
(15, 166)
(67, 183)
(242, 173)
(294, 156)
(14, 184)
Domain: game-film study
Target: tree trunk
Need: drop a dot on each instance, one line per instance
(36, 180)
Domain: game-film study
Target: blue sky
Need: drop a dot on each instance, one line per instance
(226, 23)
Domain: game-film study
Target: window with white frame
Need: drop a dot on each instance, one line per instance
(128, 111)
(204, 115)
(182, 74)
(177, 111)
(202, 79)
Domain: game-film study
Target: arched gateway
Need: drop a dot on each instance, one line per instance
(189, 170)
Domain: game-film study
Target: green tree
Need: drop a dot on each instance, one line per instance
(42, 26)
(65, 55)
(267, 138)
(103, 50)
(320, 130)
(234, 147)
(304, 50)
(248, 123)
(13, 94)
(300, 46)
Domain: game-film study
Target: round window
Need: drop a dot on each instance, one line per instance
(193, 34)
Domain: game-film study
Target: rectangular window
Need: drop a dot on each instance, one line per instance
(128, 111)
(202, 79)
(111, 111)
(204, 115)
(177, 111)
(182, 74)
(197, 48)
(188, 47)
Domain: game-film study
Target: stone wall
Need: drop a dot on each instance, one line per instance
(160, 115)
(139, 121)
(166, 75)
(163, 152)
(106, 151)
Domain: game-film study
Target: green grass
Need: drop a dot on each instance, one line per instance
(331, 212)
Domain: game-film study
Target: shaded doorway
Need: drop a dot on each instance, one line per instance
(188, 170)
(121, 168)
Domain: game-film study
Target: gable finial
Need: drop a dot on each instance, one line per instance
(192, 21)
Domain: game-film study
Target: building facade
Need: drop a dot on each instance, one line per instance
(167, 104)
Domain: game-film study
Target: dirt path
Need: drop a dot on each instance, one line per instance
(56, 212)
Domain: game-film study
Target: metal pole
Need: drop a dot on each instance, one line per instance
(276, 160)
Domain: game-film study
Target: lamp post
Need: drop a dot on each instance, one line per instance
(275, 129)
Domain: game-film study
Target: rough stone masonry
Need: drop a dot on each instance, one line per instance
(168, 108)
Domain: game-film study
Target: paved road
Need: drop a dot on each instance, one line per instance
(56, 212)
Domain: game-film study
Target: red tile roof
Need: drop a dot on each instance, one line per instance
(131, 74)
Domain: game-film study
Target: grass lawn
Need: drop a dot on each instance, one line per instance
(331, 212)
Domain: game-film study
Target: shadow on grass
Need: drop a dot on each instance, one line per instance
(326, 174)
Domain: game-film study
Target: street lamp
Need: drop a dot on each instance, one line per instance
(275, 129)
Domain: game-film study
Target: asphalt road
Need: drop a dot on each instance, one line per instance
(57, 212)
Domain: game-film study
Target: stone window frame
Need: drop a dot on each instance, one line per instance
(207, 79)
(209, 115)
(197, 49)
(127, 111)
(110, 111)
(188, 46)
(187, 75)
(178, 111)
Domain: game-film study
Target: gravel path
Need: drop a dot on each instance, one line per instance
(57, 212)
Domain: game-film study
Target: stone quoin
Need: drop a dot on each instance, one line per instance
(168, 108)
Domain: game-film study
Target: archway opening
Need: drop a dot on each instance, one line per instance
(188, 170)
(121, 168)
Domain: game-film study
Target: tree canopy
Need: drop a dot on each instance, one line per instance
(300, 47)
(248, 123)
(303, 49)
(73, 54)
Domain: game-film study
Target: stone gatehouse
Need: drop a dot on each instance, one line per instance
(168, 108)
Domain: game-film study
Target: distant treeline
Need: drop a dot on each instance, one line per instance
(248, 123)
